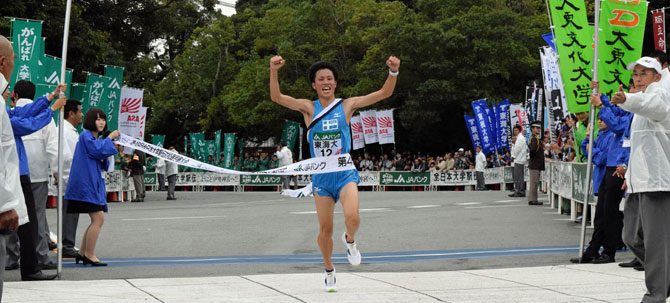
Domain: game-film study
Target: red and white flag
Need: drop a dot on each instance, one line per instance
(357, 132)
(658, 19)
(369, 120)
(385, 130)
(132, 114)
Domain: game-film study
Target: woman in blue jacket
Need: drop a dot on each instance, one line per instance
(86, 191)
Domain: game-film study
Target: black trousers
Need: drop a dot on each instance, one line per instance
(608, 221)
(28, 232)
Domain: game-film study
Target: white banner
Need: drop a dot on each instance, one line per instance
(368, 178)
(369, 119)
(385, 130)
(357, 133)
(513, 114)
(553, 84)
(311, 166)
(466, 177)
(131, 112)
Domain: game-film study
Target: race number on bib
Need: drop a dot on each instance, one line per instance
(327, 144)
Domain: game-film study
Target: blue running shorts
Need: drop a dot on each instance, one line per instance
(330, 184)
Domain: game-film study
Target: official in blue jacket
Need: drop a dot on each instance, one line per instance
(26, 120)
(602, 143)
(86, 192)
(608, 219)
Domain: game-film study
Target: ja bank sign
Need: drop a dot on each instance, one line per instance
(405, 178)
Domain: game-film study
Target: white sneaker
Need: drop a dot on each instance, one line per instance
(353, 254)
(330, 281)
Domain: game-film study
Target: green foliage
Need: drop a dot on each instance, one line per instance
(213, 73)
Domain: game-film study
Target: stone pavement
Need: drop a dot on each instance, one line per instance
(561, 283)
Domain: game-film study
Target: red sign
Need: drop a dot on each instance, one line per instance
(658, 19)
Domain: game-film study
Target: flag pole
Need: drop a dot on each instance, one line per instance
(61, 116)
(589, 162)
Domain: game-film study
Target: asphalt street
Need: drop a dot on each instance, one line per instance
(226, 233)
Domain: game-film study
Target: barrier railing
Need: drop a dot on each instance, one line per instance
(566, 187)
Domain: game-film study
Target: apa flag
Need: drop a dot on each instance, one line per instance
(620, 42)
(471, 125)
(502, 120)
(369, 121)
(28, 48)
(385, 130)
(484, 127)
(131, 112)
(574, 40)
(357, 133)
(659, 29)
(113, 94)
(229, 140)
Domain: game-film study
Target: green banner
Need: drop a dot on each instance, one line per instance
(50, 73)
(229, 149)
(96, 93)
(574, 40)
(198, 146)
(405, 178)
(78, 91)
(115, 73)
(28, 48)
(622, 26)
(210, 151)
(150, 179)
(290, 133)
(158, 140)
(260, 180)
(217, 143)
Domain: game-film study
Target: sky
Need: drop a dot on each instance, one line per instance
(225, 9)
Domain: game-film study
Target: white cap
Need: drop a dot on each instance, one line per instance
(460, 149)
(647, 62)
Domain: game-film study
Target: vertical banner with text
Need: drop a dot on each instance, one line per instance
(385, 130)
(289, 133)
(131, 112)
(574, 40)
(659, 29)
(620, 41)
(96, 93)
(28, 48)
(229, 140)
(113, 95)
(357, 133)
(484, 127)
(369, 120)
(471, 125)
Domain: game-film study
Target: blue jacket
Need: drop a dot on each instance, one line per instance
(86, 182)
(618, 122)
(600, 153)
(25, 121)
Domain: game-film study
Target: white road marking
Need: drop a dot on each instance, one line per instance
(564, 219)
(506, 201)
(172, 218)
(493, 206)
(363, 210)
(423, 206)
(468, 203)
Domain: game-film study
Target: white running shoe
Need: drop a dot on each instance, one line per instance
(353, 254)
(330, 281)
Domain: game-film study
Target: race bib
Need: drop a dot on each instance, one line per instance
(327, 144)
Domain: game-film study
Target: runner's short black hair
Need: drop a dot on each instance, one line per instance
(319, 66)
